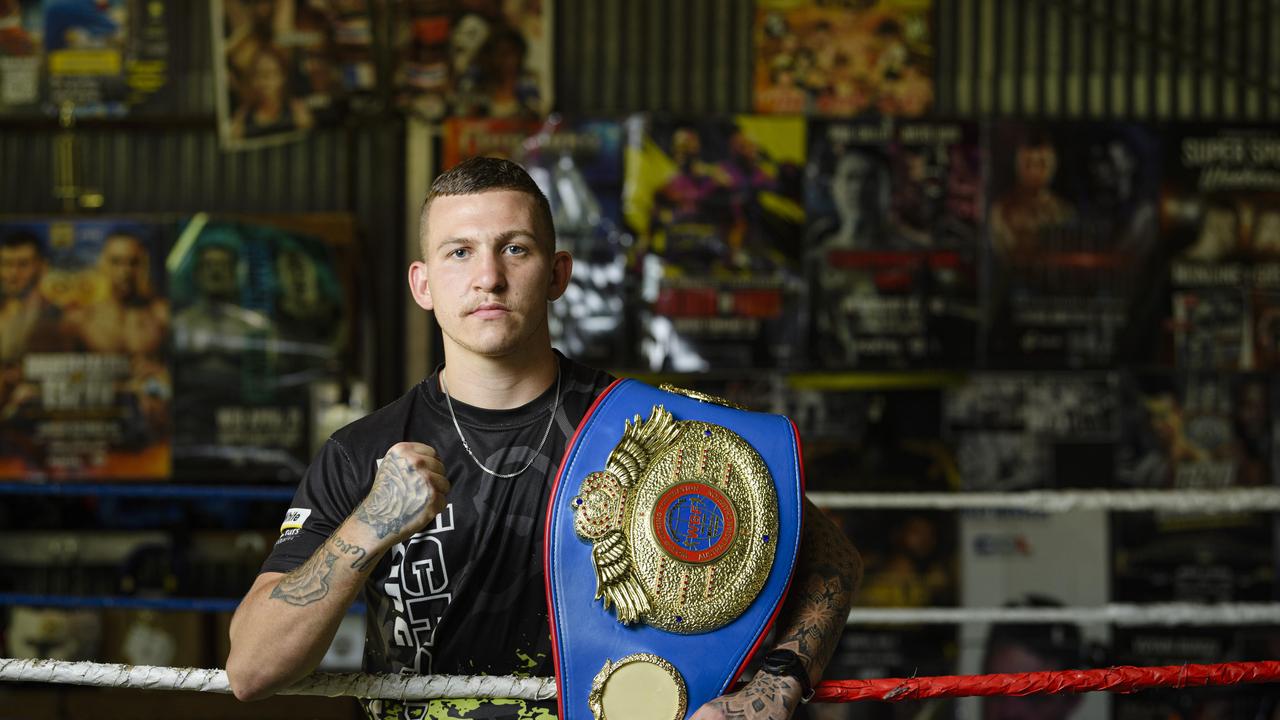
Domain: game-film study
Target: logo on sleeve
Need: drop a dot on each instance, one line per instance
(292, 525)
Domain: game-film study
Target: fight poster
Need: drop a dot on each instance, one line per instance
(817, 57)
(260, 317)
(1196, 431)
(1075, 271)
(284, 67)
(910, 560)
(1033, 561)
(91, 57)
(1030, 431)
(893, 218)
(85, 386)
(463, 58)
(578, 165)
(1148, 646)
(718, 211)
(1220, 215)
(873, 440)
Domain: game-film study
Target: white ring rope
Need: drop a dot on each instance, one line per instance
(1115, 613)
(1225, 500)
(387, 687)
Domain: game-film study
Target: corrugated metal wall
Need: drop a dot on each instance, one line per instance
(1148, 59)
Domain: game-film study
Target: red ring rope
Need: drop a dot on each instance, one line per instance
(1124, 679)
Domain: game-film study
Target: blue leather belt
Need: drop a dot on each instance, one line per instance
(672, 535)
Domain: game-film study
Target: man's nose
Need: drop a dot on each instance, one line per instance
(490, 274)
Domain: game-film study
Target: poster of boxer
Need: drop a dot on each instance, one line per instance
(283, 67)
(1074, 264)
(578, 165)
(261, 315)
(1033, 560)
(472, 58)
(94, 58)
(818, 57)
(893, 215)
(1220, 216)
(1024, 431)
(717, 208)
(86, 384)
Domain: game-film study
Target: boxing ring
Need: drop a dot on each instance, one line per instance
(1118, 679)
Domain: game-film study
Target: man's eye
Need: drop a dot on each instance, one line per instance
(515, 250)
(458, 253)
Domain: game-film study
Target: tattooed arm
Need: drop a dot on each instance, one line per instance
(286, 622)
(812, 618)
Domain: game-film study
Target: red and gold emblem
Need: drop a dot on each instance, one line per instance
(683, 521)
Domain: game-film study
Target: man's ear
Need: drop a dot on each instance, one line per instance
(418, 285)
(561, 271)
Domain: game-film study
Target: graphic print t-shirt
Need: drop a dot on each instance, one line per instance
(465, 596)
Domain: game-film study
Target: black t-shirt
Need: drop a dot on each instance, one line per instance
(465, 596)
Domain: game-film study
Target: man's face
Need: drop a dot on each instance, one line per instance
(122, 260)
(216, 273)
(1036, 166)
(488, 276)
(20, 270)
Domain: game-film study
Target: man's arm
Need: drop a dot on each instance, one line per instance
(286, 622)
(812, 618)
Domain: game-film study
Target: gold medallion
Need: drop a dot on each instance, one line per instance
(683, 521)
(638, 687)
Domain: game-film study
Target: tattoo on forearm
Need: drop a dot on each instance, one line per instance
(398, 494)
(766, 697)
(360, 559)
(817, 609)
(309, 582)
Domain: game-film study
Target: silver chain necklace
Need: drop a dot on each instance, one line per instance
(554, 400)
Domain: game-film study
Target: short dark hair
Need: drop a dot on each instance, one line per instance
(483, 174)
(18, 238)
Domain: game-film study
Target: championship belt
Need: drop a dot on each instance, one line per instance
(672, 535)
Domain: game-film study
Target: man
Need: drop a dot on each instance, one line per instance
(450, 562)
(130, 320)
(1020, 215)
(214, 331)
(27, 320)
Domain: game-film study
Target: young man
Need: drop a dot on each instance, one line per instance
(450, 561)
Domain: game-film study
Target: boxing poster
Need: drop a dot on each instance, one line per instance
(1074, 262)
(1031, 431)
(578, 165)
(91, 57)
(893, 216)
(461, 58)
(1032, 560)
(261, 319)
(873, 441)
(84, 375)
(718, 211)
(1202, 431)
(1159, 646)
(910, 559)
(817, 57)
(1220, 216)
(284, 67)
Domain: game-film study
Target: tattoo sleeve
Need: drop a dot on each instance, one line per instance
(309, 582)
(359, 557)
(827, 579)
(397, 495)
(764, 698)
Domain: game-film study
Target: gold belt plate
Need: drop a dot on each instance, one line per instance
(683, 522)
